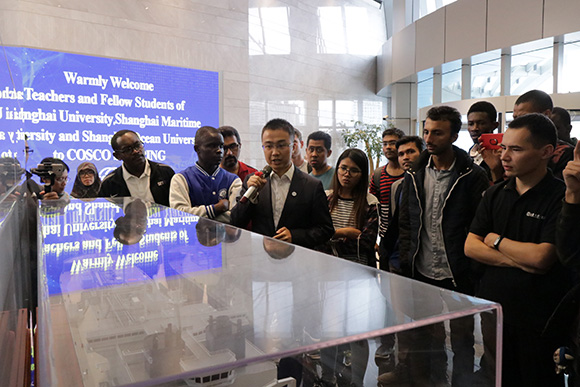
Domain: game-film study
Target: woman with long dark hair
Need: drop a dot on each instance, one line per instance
(355, 217)
(87, 183)
(353, 210)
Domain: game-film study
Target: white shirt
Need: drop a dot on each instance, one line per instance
(280, 187)
(139, 186)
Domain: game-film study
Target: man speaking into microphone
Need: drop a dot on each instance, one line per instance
(288, 205)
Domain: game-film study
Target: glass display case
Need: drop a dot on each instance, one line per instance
(140, 294)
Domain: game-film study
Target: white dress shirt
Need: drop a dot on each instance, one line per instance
(280, 187)
(139, 186)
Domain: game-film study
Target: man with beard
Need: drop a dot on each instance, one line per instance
(440, 194)
(205, 189)
(232, 148)
(137, 176)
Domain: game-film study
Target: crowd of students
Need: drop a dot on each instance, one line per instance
(500, 224)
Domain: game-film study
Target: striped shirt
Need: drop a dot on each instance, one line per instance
(343, 214)
(383, 193)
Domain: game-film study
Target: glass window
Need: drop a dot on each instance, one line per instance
(269, 31)
(345, 30)
(425, 88)
(325, 113)
(372, 112)
(570, 80)
(428, 6)
(486, 74)
(451, 81)
(346, 112)
(532, 67)
(331, 39)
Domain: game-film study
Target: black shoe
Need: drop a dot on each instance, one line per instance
(400, 376)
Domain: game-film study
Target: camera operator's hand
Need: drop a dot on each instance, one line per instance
(492, 158)
(49, 195)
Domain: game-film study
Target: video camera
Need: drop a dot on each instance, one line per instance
(49, 170)
(10, 170)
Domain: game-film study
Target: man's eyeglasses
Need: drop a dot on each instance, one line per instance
(232, 147)
(131, 148)
(279, 147)
(351, 171)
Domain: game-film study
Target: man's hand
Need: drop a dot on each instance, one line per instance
(492, 158)
(283, 234)
(222, 206)
(49, 195)
(490, 239)
(571, 176)
(257, 181)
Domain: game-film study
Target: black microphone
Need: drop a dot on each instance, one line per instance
(252, 191)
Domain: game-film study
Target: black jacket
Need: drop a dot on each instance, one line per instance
(567, 314)
(305, 212)
(468, 182)
(114, 185)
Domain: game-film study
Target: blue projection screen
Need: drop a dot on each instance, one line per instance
(69, 106)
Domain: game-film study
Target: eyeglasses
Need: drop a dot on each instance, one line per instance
(351, 171)
(86, 173)
(232, 147)
(279, 147)
(131, 148)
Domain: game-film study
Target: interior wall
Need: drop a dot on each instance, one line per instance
(209, 35)
(473, 27)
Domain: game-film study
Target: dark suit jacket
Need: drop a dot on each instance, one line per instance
(305, 212)
(114, 185)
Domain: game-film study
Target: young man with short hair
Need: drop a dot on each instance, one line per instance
(537, 101)
(482, 119)
(137, 176)
(286, 196)
(440, 194)
(409, 148)
(380, 185)
(318, 151)
(513, 235)
(561, 118)
(205, 189)
(297, 158)
(232, 147)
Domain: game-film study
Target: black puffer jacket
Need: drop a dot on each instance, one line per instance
(468, 182)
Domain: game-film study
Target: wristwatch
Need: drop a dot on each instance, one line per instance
(497, 242)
